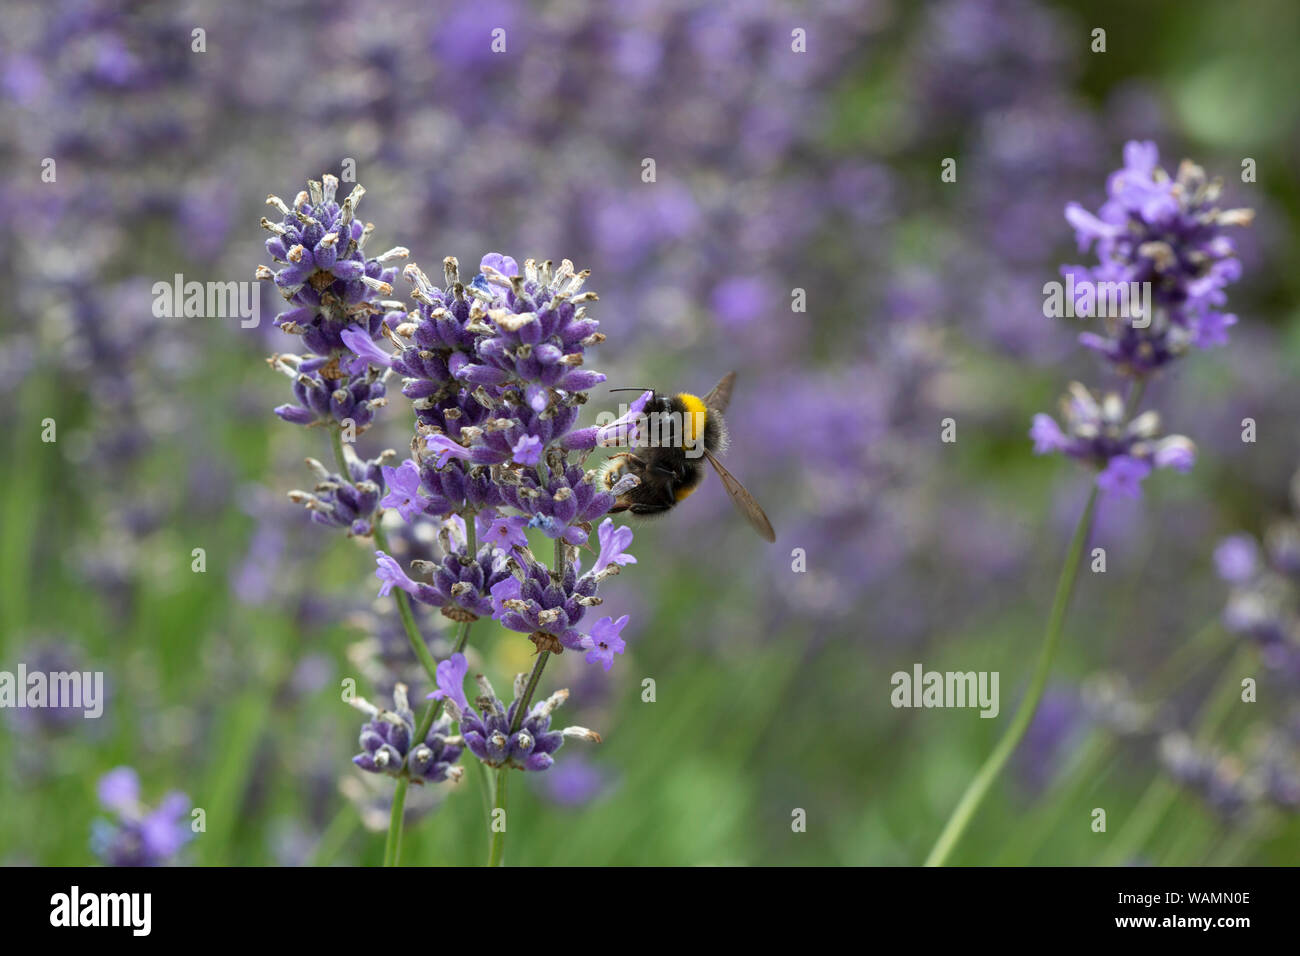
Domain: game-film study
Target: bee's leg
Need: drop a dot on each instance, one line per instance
(647, 510)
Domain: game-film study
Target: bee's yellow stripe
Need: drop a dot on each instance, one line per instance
(695, 414)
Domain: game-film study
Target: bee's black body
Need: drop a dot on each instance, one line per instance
(670, 460)
(682, 432)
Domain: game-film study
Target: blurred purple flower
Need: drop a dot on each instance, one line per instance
(138, 836)
(1236, 558)
(1170, 234)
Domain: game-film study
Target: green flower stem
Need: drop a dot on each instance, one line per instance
(540, 665)
(393, 849)
(988, 773)
(408, 617)
(496, 853)
(404, 602)
(381, 541)
(393, 846)
(336, 442)
(526, 701)
(489, 790)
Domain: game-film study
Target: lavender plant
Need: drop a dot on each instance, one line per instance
(1168, 233)
(1263, 606)
(1247, 783)
(138, 836)
(494, 368)
(1263, 611)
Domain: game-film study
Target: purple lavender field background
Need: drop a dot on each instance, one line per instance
(799, 230)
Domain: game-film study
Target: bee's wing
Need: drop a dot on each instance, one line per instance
(720, 397)
(742, 499)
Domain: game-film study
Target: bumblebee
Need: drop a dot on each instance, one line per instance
(684, 431)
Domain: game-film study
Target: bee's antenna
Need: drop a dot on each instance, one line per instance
(633, 389)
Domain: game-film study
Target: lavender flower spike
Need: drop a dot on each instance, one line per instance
(1167, 232)
(350, 501)
(388, 745)
(1099, 434)
(486, 729)
(138, 836)
(337, 294)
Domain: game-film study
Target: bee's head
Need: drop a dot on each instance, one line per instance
(614, 468)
